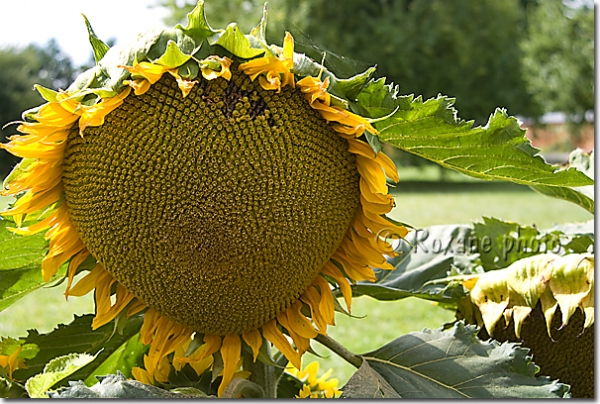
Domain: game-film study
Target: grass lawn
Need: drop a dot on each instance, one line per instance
(419, 204)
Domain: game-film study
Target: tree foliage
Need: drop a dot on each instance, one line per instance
(20, 69)
(559, 58)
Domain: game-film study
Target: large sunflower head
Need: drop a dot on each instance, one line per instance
(221, 185)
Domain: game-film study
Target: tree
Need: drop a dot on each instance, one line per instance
(20, 69)
(558, 58)
(461, 49)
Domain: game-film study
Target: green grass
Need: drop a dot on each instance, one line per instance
(425, 204)
(419, 204)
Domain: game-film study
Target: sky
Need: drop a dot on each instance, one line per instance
(26, 21)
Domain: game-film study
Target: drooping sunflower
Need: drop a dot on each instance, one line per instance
(220, 185)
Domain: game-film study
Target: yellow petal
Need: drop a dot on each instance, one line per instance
(490, 294)
(571, 281)
(86, 284)
(140, 86)
(331, 270)
(300, 324)
(270, 332)
(372, 173)
(254, 341)
(73, 265)
(312, 297)
(326, 306)
(230, 351)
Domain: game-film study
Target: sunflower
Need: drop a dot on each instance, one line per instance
(220, 185)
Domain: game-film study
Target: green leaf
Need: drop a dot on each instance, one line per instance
(11, 389)
(127, 356)
(98, 46)
(288, 386)
(78, 337)
(9, 345)
(115, 386)
(20, 264)
(431, 129)
(567, 194)
(56, 370)
(191, 392)
(367, 383)
(450, 364)
(507, 242)
(582, 196)
(244, 388)
(233, 40)
(502, 243)
(425, 255)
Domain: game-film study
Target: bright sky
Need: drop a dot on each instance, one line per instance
(26, 21)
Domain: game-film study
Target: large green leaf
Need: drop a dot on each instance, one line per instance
(431, 129)
(567, 194)
(450, 364)
(78, 337)
(20, 260)
(582, 196)
(54, 371)
(503, 242)
(425, 255)
(115, 386)
(127, 356)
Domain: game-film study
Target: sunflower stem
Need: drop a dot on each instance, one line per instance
(262, 374)
(340, 350)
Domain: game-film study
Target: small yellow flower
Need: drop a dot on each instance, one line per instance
(314, 386)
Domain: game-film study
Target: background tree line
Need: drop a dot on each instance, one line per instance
(529, 56)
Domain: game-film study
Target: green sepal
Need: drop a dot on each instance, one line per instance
(196, 343)
(197, 26)
(373, 142)
(172, 48)
(233, 40)
(46, 93)
(98, 46)
(173, 56)
(189, 70)
(217, 367)
(352, 86)
(341, 90)
(260, 31)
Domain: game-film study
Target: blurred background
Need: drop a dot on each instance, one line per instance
(533, 57)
